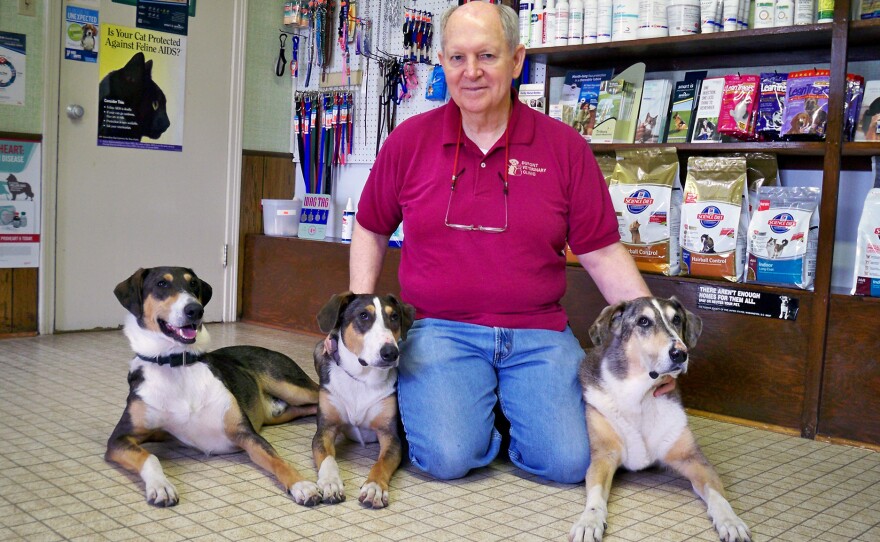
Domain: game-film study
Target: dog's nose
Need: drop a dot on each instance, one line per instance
(678, 356)
(389, 352)
(194, 311)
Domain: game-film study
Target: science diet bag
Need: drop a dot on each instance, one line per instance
(866, 279)
(783, 237)
(714, 218)
(647, 200)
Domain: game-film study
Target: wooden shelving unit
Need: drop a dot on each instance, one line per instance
(802, 390)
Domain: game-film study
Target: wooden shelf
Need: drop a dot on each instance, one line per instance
(762, 47)
(749, 286)
(794, 148)
(861, 148)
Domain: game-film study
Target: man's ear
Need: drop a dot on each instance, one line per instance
(130, 294)
(607, 324)
(330, 315)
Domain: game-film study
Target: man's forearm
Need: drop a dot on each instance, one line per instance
(365, 259)
(615, 273)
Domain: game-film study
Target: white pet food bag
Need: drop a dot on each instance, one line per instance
(647, 201)
(866, 279)
(714, 218)
(783, 237)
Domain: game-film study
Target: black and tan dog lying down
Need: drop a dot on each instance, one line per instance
(216, 401)
(639, 345)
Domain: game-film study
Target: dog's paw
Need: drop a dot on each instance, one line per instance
(305, 493)
(732, 529)
(161, 493)
(332, 490)
(329, 481)
(373, 496)
(158, 490)
(589, 527)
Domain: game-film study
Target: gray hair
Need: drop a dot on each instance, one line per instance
(509, 24)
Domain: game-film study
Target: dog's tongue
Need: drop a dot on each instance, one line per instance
(188, 333)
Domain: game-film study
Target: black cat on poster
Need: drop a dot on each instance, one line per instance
(130, 104)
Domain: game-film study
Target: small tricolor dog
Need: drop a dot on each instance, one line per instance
(214, 401)
(357, 368)
(639, 345)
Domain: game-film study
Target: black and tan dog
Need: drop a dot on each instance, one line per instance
(639, 345)
(357, 366)
(214, 401)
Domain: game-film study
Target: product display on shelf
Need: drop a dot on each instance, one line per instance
(653, 111)
(866, 279)
(714, 218)
(647, 198)
(783, 238)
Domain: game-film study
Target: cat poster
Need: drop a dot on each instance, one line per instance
(141, 89)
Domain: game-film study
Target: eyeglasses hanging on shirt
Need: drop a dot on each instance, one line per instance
(455, 176)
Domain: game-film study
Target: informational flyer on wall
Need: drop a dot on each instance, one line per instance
(12, 68)
(81, 38)
(163, 15)
(141, 92)
(20, 195)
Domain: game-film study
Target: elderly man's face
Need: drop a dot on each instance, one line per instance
(477, 62)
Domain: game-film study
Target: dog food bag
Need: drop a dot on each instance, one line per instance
(806, 104)
(647, 200)
(771, 103)
(739, 106)
(783, 237)
(761, 170)
(866, 280)
(714, 218)
(606, 161)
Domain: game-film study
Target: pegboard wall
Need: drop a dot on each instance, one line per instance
(387, 18)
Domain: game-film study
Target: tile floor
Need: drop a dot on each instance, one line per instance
(60, 397)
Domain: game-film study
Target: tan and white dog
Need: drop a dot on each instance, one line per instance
(639, 345)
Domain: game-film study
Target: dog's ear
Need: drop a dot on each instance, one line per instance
(205, 290)
(330, 315)
(692, 325)
(407, 314)
(607, 324)
(129, 292)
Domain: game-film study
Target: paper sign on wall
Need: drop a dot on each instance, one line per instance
(141, 89)
(81, 39)
(13, 49)
(20, 195)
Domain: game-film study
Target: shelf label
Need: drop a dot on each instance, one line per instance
(764, 304)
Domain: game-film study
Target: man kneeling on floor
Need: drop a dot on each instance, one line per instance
(487, 207)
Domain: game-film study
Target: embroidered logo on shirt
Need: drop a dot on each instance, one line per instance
(517, 168)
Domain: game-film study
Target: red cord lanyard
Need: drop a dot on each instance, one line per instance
(506, 152)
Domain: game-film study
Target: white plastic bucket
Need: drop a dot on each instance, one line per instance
(281, 217)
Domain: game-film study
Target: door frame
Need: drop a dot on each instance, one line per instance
(53, 109)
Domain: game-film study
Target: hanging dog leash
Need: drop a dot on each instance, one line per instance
(281, 63)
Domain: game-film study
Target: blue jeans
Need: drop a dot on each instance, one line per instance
(451, 375)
